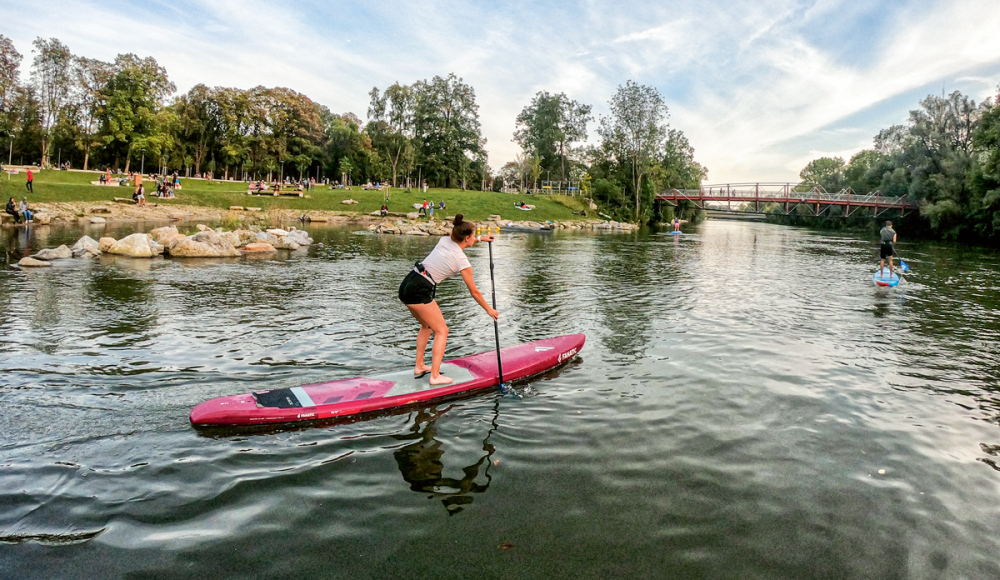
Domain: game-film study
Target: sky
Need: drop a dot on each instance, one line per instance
(759, 87)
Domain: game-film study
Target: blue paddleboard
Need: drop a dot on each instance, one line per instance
(677, 233)
(882, 278)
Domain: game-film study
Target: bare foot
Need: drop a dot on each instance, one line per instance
(442, 380)
(419, 372)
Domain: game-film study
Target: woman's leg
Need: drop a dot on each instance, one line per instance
(432, 320)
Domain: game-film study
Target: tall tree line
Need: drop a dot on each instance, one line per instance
(946, 157)
(96, 114)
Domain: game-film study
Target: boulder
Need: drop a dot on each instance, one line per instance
(203, 228)
(99, 209)
(135, 246)
(160, 234)
(300, 237)
(266, 237)
(277, 232)
(86, 245)
(41, 218)
(413, 215)
(349, 202)
(32, 263)
(258, 248)
(97, 220)
(494, 218)
(104, 244)
(215, 247)
(60, 253)
(415, 232)
(286, 243)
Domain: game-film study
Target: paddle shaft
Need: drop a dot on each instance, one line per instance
(496, 325)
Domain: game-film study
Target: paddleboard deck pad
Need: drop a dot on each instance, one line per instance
(348, 397)
(882, 278)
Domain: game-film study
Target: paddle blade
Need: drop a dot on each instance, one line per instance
(903, 265)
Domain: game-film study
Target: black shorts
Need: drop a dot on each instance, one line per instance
(886, 251)
(416, 289)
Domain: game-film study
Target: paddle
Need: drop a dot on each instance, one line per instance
(496, 325)
(903, 265)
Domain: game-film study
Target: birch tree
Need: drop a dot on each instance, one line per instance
(52, 77)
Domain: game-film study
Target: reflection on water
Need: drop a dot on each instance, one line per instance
(422, 463)
(748, 405)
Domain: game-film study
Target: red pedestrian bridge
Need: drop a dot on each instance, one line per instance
(786, 198)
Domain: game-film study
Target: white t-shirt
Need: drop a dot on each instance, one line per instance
(446, 260)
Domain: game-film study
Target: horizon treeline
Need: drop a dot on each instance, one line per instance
(95, 114)
(946, 157)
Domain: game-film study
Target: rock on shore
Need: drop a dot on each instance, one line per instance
(206, 243)
(86, 246)
(33, 263)
(136, 246)
(60, 253)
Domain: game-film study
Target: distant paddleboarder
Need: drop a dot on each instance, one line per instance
(888, 237)
(419, 287)
(677, 224)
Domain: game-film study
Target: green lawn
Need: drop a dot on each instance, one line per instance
(72, 186)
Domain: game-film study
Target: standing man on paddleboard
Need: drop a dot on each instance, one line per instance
(888, 237)
(420, 285)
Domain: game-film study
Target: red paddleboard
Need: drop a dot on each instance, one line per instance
(363, 395)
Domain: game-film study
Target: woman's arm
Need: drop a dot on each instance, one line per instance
(476, 294)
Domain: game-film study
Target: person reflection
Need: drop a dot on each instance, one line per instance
(422, 467)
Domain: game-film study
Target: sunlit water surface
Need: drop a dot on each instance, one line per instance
(747, 405)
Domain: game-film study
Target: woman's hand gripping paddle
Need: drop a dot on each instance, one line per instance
(504, 388)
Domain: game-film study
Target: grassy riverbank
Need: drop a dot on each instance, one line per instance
(74, 186)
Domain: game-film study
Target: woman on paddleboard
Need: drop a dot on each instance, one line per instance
(420, 285)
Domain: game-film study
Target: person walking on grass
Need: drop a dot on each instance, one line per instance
(418, 289)
(31, 180)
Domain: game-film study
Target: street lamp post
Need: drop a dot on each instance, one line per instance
(420, 177)
(281, 178)
(142, 166)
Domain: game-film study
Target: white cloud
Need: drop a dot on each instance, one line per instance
(757, 85)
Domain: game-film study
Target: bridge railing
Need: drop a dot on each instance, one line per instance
(774, 192)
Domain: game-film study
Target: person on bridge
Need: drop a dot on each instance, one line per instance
(888, 237)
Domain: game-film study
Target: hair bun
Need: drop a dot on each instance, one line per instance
(458, 219)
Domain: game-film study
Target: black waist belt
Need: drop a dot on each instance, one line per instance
(418, 267)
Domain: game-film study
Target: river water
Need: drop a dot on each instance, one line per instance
(747, 405)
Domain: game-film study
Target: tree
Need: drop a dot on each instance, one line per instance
(825, 172)
(985, 181)
(678, 169)
(198, 118)
(130, 102)
(390, 123)
(549, 126)
(634, 132)
(90, 77)
(446, 129)
(52, 77)
(10, 62)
